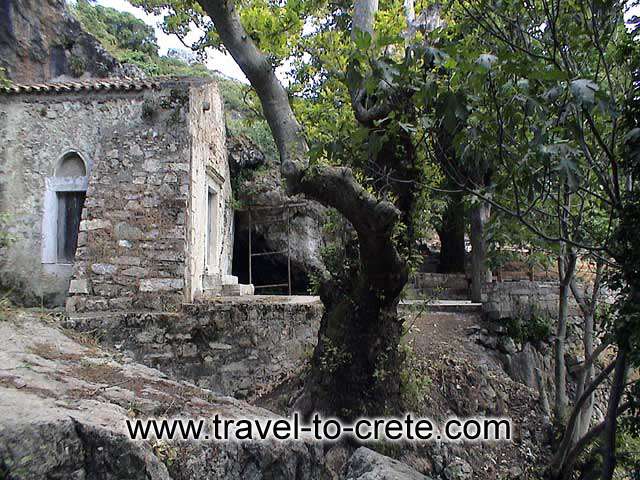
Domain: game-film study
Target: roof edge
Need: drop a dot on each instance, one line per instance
(102, 85)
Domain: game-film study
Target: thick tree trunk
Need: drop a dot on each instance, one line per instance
(356, 362)
(355, 366)
(480, 273)
(451, 233)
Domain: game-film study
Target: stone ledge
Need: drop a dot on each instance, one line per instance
(237, 346)
(259, 300)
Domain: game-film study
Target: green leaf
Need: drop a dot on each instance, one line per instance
(584, 91)
(486, 61)
(354, 77)
(552, 94)
(569, 171)
(632, 136)
(362, 40)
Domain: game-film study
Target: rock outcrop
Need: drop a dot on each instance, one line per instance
(260, 189)
(365, 464)
(64, 403)
(41, 41)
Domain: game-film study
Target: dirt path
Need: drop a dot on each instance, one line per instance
(464, 379)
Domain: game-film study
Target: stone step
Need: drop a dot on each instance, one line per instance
(444, 294)
(237, 289)
(229, 280)
(441, 306)
(210, 282)
(427, 286)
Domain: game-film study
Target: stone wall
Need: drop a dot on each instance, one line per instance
(520, 298)
(236, 346)
(209, 178)
(133, 242)
(519, 301)
(142, 218)
(454, 286)
(36, 131)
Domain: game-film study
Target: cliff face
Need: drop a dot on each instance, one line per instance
(41, 41)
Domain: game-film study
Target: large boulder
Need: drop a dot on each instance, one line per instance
(64, 403)
(365, 464)
(41, 41)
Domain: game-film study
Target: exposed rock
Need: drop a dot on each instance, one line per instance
(458, 470)
(521, 366)
(507, 345)
(41, 41)
(469, 381)
(59, 446)
(64, 416)
(263, 191)
(243, 154)
(365, 464)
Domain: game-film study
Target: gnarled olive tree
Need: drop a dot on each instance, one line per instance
(356, 361)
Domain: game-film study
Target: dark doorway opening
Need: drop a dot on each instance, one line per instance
(268, 269)
(69, 212)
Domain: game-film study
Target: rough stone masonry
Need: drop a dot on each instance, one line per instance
(116, 195)
(154, 179)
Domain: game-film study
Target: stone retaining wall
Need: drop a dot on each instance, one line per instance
(234, 346)
(509, 299)
(441, 285)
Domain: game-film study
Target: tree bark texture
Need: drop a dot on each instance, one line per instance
(355, 365)
(479, 269)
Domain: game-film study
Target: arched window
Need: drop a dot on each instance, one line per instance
(64, 200)
(71, 165)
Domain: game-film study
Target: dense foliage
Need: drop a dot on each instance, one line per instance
(530, 107)
(130, 40)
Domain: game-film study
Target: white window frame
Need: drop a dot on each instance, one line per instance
(53, 185)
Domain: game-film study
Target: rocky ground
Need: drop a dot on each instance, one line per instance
(454, 375)
(63, 405)
(64, 402)
(465, 379)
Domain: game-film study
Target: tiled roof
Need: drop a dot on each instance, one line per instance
(96, 85)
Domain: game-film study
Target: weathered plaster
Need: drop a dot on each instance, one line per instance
(209, 172)
(150, 155)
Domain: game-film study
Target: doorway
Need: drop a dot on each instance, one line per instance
(211, 251)
(69, 213)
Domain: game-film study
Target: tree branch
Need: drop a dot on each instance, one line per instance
(256, 66)
(563, 449)
(332, 186)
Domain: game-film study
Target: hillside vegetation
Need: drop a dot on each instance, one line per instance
(132, 41)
